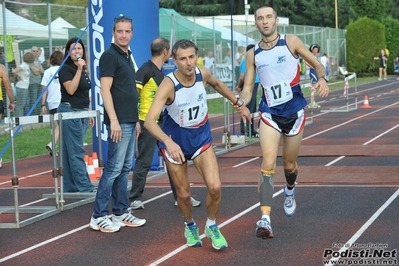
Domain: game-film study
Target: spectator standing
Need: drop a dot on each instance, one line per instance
(325, 61)
(383, 58)
(6, 81)
(314, 49)
(200, 62)
(281, 114)
(53, 92)
(252, 103)
(148, 78)
(22, 74)
(186, 135)
(237, 62)
(119, 94)
(209, 61)
(75, 86)
(227, 58)
(7, 85)
(36, 71)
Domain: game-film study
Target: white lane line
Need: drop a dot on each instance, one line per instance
(364, 227)
(25, 177)
(232, 219)
(349, 121)
(380, 135)
(65, 234)
(245, 162)
(366, 143)
(334, 161)
(42, 243)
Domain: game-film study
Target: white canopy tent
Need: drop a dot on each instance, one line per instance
(60, 23)
(241, 39)
(23, 28)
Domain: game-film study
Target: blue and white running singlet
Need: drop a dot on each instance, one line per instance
(279, 73)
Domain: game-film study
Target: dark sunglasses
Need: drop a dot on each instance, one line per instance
(122, 17)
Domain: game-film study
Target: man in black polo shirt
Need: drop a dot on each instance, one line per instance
(118, 90)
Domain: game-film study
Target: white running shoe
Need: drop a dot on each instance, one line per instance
(103, 224)
(264, 229)
(289, 202)
(127, 219)
(137, 204)
(194, 202)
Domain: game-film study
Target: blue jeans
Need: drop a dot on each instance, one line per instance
(76, 178)
(114, 179)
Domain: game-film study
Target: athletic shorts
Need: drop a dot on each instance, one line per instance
(313, 76)
(53, 111)
(289, 126)
(167, 156)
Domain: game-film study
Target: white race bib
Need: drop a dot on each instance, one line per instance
(278, 94)
(192, 115)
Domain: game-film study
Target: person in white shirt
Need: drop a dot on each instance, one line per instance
(53, 92)
(23, 73)
(209, 61)
(326, 63)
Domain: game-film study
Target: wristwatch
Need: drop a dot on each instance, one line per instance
(240, 102)
(325, 78)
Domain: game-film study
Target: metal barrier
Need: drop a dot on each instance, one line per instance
(347, 107)
(57, 172)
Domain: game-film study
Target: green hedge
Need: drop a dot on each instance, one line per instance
(365, 38)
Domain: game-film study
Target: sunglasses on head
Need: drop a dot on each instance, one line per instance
(122, 17)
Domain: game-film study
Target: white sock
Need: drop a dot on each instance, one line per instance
(210, 222)
(288, 191)
(266, 217)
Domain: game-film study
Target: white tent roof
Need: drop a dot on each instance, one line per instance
(241, 39)
(60, 23)
(18, 26)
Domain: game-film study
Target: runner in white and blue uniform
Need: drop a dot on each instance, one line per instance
(276, 59)
(186, 118)
(186, 135)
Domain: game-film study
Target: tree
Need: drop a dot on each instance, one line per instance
(374, 9)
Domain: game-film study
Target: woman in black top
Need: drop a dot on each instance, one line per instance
(75, 86)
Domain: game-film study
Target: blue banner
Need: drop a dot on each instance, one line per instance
(101, 14)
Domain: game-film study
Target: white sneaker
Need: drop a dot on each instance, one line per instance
(103, 224)
(127, 219)
(1, 161)
(289, 202)
(137, 204)
(194, 202)
(379, 78)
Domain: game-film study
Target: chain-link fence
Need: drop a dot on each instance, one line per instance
(46, 27)
(36, 29)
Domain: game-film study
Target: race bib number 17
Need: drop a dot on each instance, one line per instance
(278, 94)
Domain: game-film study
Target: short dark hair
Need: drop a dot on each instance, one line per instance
(28, 57)
(183, 44)
(122, 18)
(56, 58)
(265, 6)
(158, 45)
(68, 47)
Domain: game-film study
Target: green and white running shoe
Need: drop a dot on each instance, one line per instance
(192, 236)
(218, 240)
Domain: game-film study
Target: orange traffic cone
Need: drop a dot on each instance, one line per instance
(366, 102)
(90, 170)
(97, 169)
